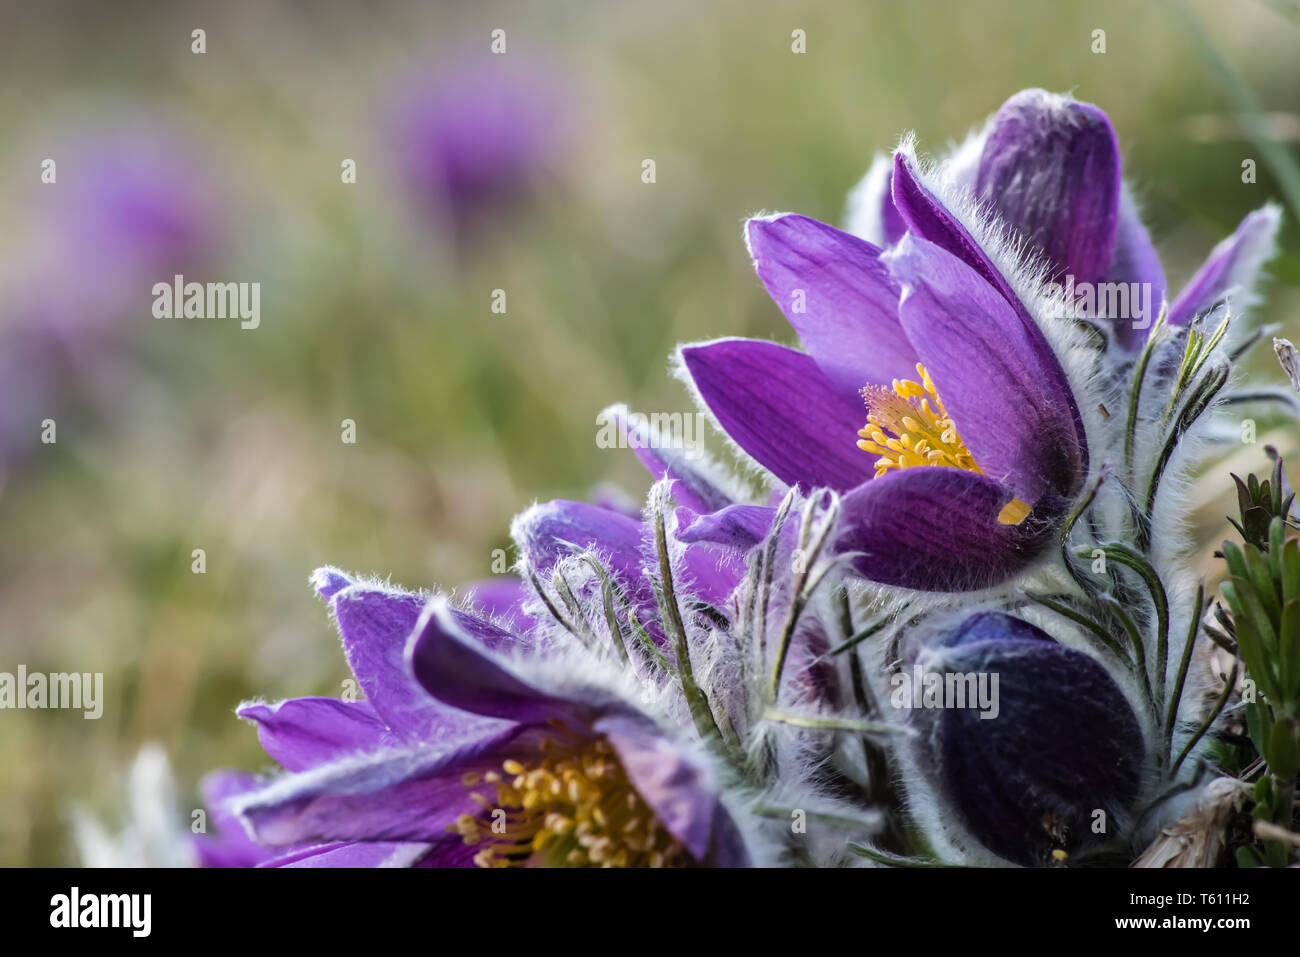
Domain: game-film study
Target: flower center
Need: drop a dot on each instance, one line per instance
(569, 807)
(907, 426)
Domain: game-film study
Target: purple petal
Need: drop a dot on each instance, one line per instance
(729, 848)
(778, 406)
(1051, 169)
(483, 632)
(227, 844)
(937, 529)
(355, 854)
(712, 573)
(545, 533)
(681, 792)
(406, 795)
(837, 295)
(375, 623)
(449, 852)
(1005, 394)
(1231, 269)
(1135, 256)
(302, 732)
(497, 597)
(460, 672)
(739, 527)
(500, 598)
(928, 218)
(329, 581)
(664, 457)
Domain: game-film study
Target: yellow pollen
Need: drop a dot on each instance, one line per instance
(571, 805)
(908, 426)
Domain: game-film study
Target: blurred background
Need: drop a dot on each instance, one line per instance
(475, 172)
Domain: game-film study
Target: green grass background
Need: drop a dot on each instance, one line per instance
(229, 440)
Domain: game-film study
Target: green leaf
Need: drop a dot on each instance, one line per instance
(1244, 501)
(1262, 578)
(1284, 749)
(1288, 641)
(1253, 611)
(1236, 561)
(1257, 727)
(1290, 575)
(1248, 857)
(1263, 798)
(1276, 540)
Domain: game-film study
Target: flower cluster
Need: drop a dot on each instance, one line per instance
(947, 617)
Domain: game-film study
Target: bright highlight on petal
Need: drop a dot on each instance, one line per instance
(908, 426)
(573, 807)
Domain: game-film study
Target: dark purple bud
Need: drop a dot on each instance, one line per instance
(1044, 752)
(1051, 168)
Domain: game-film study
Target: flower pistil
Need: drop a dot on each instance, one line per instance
(573, 806)
(908, 426)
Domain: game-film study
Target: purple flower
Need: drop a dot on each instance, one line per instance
(1048, 167)
(226, 844)
(970, 447)
(474, 139)
(1028, 777)
(475, 744)
(130, 207)
(550, 532)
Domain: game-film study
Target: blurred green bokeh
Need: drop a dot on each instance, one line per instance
(211, 437)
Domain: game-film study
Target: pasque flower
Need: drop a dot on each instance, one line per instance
(474, 138)
(662, 687)
(925, 394)
(938, 388)
(1064, 743)
(475, 745)
(1048, 168)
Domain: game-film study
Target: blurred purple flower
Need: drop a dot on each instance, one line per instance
(130, 207)
(474, 139)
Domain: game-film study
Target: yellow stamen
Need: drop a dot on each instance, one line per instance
(908, 426)
(570, 805)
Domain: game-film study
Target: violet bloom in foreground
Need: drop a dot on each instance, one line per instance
(970, 448)
(940, 386)
(1048, 167)
(475, 745)
(1027, 782)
